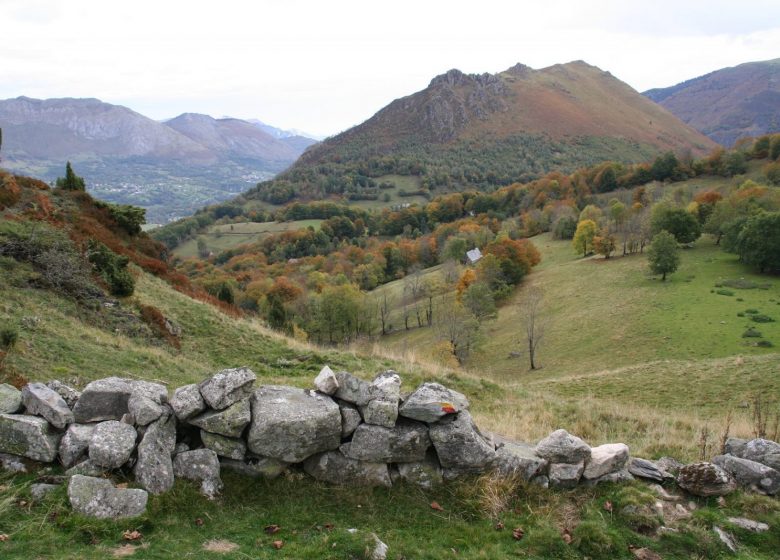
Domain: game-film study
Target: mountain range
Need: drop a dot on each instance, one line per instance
(171, 167)
(728, 104)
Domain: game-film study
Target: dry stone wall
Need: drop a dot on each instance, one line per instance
(343, 431)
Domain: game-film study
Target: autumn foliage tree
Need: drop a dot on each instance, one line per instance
(583, 237)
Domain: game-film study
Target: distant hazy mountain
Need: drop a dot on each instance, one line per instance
(282, 133)
(171, 168)
(730, 103)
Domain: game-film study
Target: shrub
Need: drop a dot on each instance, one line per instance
(8, 337)
(751, 332)
(764, 344)
(761, 318)
(751, 311)
(724, 292)
(112, 268)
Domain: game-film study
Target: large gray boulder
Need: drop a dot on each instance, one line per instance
(10, 399)
(98, 497)
(292, 424)
(147, 402)
(431, 402)
(326, 381)
(200, 465)
(750, 474)
(350, 419)
(28, 436)
(232, 448)
(606, 459)
(104, 399)
(255, 467)
(229, 422)
(407, 442)
(565, 475)
(384, 392)
(68, 394)
(351, 389)
(562, 447)
(187, 402)
(111, 444)
(459, 444)
(734, 446)
(335, 468)
(154, 467)
(650, 470)
(227, 387)
(426, 474)
(75, 443)
(763, 451)
(705, 479)
(519, 459)
(39, 400)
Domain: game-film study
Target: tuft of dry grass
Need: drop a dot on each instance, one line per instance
(220, 546)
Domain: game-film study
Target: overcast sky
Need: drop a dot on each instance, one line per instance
(325, 65)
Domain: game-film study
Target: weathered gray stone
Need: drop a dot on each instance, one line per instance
(111, 444)
(335, 468)
(734, 446)
(763, 451)
(39, 491)
(750, 474)
(232, 448)
(12, 463)
(292, 424)
(187, 402)
(749, 524)
(406, 442)
(669, 465)
(643, 468)
(565, 475)
(562, 447)
(68, 394)
(380, 413)
(200, 465)
(431, 402)
(350, 419)
(541, 480)
(519, 459)
(154, 468)
(351, 389)
(147, 402)
(28, 436)
(460, 445)
(255, 467)
(87, 468)
(104, 399)
(378, 550)
(705, 479)
(10, 399)
(74, 444)
(606, 459)
(384, 392)
(326, 381)
(229, 422)
(97, 497)
(613, 477)
(39, 400)
(426, 474)
(227, 387)
(726, 538)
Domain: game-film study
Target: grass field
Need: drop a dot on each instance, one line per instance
(227, 236)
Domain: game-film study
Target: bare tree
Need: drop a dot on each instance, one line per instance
(534, 322)
(384, 304)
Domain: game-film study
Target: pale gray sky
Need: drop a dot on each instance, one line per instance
(323, 66)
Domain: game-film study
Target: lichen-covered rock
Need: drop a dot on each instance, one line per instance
(519, 459)
(669, 465)
(426, 474)
(187, 402)
(562, 447)
(606, 459)
(39, 491)
(154, 468)
(335, 468)
(12, 463)
(229, 422)
(111, 444)
(227, 387)
(98, 497)
(232, 448)
(28, 436)
(68, 394)
(431, 401)
(351, 389)
(292, 424)
(613, 477)
(350, 419)
(384, 392)
(750, 474)
(407, 442)
(459, 444)
(10, 399)
(705, 479)
(200, 465)
(39, 400)
(763, 451)
(74, 444)
(87, 468)
(734, 446)
(104, 399)
(565, 475)
(326, 381)
(643, 468)
(147, 402)
(255, 467)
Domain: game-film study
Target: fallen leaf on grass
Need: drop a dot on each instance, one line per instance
(4, 537)
(219, 545)
(132, 535)
(271, 529)
(608, 506)
(199, 522)
(644, 553)
(277, 544)
(566, 536)
(329, 526)
(436, 506)
(123, 551)
(518, 533)
(499, 526)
